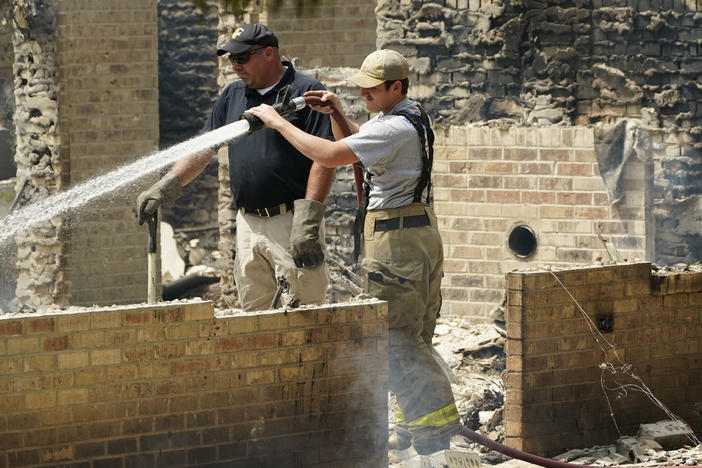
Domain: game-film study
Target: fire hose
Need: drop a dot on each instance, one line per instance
(534, 459)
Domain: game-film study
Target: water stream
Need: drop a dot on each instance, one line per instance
(103, 185)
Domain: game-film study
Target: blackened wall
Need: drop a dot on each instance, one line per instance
(187, 63)
(583, 62)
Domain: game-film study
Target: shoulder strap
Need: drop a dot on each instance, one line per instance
(422, 125)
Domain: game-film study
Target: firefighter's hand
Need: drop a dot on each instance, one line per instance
(305, 246)
(269, 116)
(328, 101)
(166, 190)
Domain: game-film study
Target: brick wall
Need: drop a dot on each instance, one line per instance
(108, 113)
(330, 34)
(488, 180)
(172, 385)
(554, 398)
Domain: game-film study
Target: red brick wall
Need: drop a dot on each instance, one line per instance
(554, 400)
(172, 385)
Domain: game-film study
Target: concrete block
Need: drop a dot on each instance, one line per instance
(668, 434)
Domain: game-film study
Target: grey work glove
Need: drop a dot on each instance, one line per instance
(166, 190)
(305, 245)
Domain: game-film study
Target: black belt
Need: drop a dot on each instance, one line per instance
(393, 224)
(269, 212)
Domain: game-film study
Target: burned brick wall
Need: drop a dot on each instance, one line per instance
(566, 63)
(187, 63)
(85, 93)
(7, 102)
(572, 62)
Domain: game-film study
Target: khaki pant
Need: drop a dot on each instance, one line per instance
(404, 267)
(263, 255)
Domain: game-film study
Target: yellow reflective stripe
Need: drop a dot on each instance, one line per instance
(438, 418)
(399, 417)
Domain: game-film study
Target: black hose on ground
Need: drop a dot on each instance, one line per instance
(535, 459)
(177, 288)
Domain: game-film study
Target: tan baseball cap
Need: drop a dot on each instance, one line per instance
(380, 66)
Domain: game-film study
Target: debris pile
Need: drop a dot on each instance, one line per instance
(667, 443)
(475, 358)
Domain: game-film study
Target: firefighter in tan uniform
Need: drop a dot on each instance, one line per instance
(403, 253)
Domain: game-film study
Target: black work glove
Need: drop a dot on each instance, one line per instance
(305, 245)
(166, 190)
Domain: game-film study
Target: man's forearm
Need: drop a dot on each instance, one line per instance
(319, 182)
(337, 130)
(325, 152)
(191, 166)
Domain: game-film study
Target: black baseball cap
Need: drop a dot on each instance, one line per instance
(247, 35)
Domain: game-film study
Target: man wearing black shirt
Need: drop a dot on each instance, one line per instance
(279, 193)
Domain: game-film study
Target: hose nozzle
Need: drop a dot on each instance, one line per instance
(283, 105)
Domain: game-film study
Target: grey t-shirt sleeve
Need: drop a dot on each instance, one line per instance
(378, 139)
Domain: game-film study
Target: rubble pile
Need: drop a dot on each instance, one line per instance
(474, 357)
(642, 450)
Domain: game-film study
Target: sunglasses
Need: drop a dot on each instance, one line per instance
(244, 57)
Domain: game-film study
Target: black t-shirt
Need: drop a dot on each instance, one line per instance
(264, 169)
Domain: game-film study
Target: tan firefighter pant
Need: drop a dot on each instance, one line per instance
(404, 267)
(263, 254)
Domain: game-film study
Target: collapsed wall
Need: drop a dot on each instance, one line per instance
(583, 340)
(176, 385)
(626, 71)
